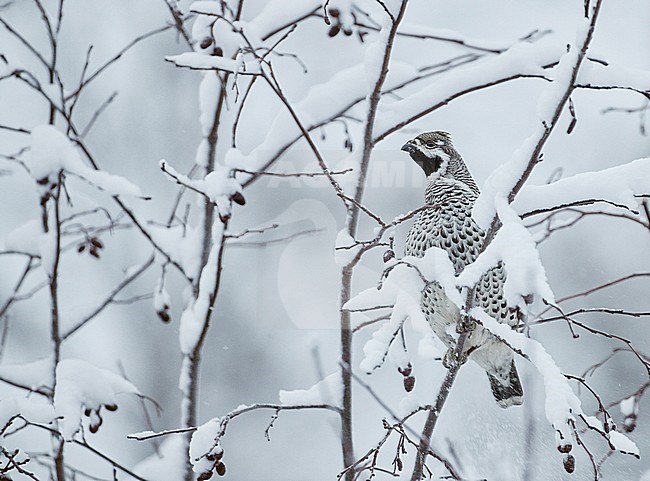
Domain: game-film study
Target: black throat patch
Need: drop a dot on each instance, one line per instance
(429, 166)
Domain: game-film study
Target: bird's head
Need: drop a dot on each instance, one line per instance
(431, 151)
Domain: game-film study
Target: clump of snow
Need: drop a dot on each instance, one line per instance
(205, 447)
(166, 465)
(51, 152)
(630, 410)
(629, 406)
(26, 238)
(81, 386)
(376, 349)
(618, 441)
(30, 239)
(208, 97)
(594, 73)
(617, 185)
(328, 391)
(35, 375)
(408, 404)
(202, 27)
(346, 248)
(276, 14)
(374, 55)
(622, 443)
(218, 186)
(47, 246)
(194, 317)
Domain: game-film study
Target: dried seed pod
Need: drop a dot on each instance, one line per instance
(111, 407)
(388, 255)
(221, 469)
(334, 30)
(569, 463)
(565, 448)
(81, 248)
(409, 383)
(333, 12)
(93, 252)
(217, 52)
(96, 242)
(406, 371)
(163, 315)
(205, 476)
(206, 42)
(238, 198)
(95, 421)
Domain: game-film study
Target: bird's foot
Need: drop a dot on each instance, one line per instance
(452, 358)
(465, 324)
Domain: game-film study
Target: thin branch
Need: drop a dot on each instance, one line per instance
(109, 299)
(143, 436)
(115, 58)
(88, 447)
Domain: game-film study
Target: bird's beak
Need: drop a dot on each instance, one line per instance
(408, 147)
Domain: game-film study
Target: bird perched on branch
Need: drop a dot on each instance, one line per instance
(448, 224)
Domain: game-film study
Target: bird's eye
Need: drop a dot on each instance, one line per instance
(431, 145)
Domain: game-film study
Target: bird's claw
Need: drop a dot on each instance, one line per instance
(452, 359)
(465, 324)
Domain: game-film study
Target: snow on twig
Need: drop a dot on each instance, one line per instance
(620, 186)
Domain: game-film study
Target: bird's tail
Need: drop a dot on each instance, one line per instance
(510, 394)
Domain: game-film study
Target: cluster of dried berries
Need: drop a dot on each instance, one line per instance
(95, 416)
(335, 25)
(568, 460)
(163, 313)
(207, 42)
(409, 379)
(92, 244)
(217, 467)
